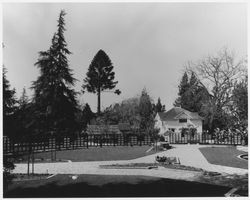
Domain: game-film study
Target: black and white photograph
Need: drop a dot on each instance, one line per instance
(124, 99)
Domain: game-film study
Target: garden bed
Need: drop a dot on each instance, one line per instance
(31, 177)
(40, 160)
(155, 166)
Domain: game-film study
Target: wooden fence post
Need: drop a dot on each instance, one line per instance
(100, 140)
(87, 141)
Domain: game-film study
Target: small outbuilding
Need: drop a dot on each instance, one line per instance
(118, 129)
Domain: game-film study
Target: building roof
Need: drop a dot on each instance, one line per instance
(108, 129)
(178, 113)
(103, 129)
(124, 126)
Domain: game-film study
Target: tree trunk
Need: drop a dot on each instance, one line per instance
(99, 101)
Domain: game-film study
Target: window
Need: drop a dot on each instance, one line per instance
(182, 120)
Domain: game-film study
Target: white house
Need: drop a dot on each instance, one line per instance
(177, 118)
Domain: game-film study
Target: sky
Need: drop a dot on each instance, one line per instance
(148, 43)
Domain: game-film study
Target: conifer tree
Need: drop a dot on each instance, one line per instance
(9, 101)
(24, 115)
(54, 99)
(181, 101)
(100, 77)
(159, 107)
(193, 80)
(147, 116)
(197, 94)
(192, 94)
(24, 100)
(146, 111)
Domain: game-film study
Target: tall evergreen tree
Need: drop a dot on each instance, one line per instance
(24, 115)
(195, 94)
(146, 111)
(24, 100)
(54, 100)
(9, 101)
(100, 77)
(147, 116)
(159, 107)
(181, 101)
(193, 80)
(192, 94)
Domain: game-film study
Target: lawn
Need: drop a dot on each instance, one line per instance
(112, 186)
(226, 156)
(98, 154)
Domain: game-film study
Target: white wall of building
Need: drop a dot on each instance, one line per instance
(159, 125)
(175, 124)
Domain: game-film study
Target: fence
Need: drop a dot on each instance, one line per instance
(41, 144)
(206, 139)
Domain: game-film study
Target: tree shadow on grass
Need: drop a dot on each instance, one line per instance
(150, 188)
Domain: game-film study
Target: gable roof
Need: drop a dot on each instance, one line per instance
(176, 113)
(124, 127)
(108, 129)
(103, 129)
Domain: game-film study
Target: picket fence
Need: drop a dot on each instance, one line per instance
(42, 144)
(206, 139)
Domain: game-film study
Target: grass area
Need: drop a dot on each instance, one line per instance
(97, 154)
(226, 156)
(112, 186)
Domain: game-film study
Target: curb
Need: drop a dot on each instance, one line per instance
(51, 176)
(230, 192)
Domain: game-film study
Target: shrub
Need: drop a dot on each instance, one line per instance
(8, 166)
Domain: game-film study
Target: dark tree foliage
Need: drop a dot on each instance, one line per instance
(159, 107)
(9, 99)
(125, 112)
(100, 76)
(218, 74)
(9, 124)
(9, 106)
(87, 115)
(8, 166)
(191, 93)
(196, 94)
(146, 111)
(24, 116)
(54, 100)
(111, 115)
(147, 116)
(240, 102)
(24, 100)
(183, 88)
